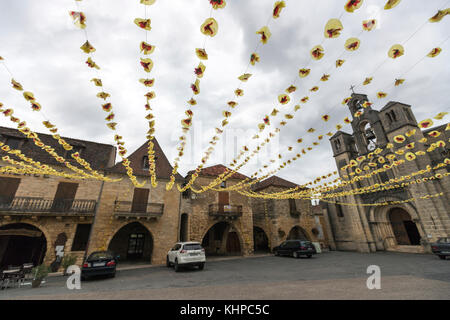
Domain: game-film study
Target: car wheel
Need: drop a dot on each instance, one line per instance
(442, 257)
(201, 266)
(177, 267)
(309, 255)
(167, 262)
(295, 255)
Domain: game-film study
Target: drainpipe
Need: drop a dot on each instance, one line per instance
(93, 222)
(179, 219)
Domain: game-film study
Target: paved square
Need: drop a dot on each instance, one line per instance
(330, 275)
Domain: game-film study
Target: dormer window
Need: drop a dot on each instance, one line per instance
(145, 164)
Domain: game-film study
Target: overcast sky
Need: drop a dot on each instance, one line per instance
(42, 49)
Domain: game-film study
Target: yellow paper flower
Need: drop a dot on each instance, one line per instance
(274, 112)
(325, 117)
(91, 63)
(16, 85)
(232, 104)
(339, 63)
(296, 107)
(146, 48)
(196, 87)
(210, 27)
(245, 77)
(333, 28)
(291, 89)
(107, 107)
(218, 4)
(200, 70)
(352, 44)
(367, 81)
(369, 25)
(111, 125)
(434, 52)
(148, 2)
(150, 95)
(147, 64)
(391, 4)
(277, 7)
(313, 89)
(103, 95)
(425, 123)
(79, 19)
(352, 5)
(265, 34)
(239, 92)
(325, 77)
(410, 156)
(434, 134)
(254, 57)
(201, 54)
(396, 51)
(410, 133)
(186, 123)
(147, 82)
(439, 15)
(303, 72)
(399, 138)
(381, 95)
(346, 100)
(440, 115)
(399, 82)
(283, 98)
(317, 52)
(87, 47)
(143, 23)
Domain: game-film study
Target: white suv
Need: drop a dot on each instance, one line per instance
(186, 254)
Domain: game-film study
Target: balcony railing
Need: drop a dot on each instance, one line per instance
(225, 211)
(133, 209)
(49, 206)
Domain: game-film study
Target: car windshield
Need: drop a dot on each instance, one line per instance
(100, 255)
(444, 240)
(192, 246)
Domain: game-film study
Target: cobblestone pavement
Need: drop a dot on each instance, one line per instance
(330, 275)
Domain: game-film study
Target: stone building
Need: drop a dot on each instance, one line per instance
(42, 217)
(39, 213)
(409, 226)
(276, 220)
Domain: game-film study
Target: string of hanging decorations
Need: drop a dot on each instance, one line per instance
(79, 19)
(265, 34)
(147, 65)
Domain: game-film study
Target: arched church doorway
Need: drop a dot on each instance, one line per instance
(405, 230)
(297, 233)
(21, 243)
(184, 227)
(133, 242)
(260, 241)
(222, 239)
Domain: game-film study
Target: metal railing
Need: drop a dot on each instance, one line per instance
(142, 209)
(36, 204)
(225, 210)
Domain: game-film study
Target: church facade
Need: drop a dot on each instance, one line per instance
(410, 218)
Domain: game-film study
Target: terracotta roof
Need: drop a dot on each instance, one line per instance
(99, 155)
(274, 181)
(214, 171)
(163, 166)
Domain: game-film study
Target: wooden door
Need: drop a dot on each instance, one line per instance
(140, 199)
(8, 188)
(224, 199)
(135, 246)
(64, 196)
(233, 245)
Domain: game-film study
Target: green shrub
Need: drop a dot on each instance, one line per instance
(40, 272)
(67, 261)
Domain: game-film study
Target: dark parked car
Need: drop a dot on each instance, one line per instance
(295, 248)
(441, 248)
(99, 263)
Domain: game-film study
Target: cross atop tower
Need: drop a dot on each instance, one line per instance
(351, 88)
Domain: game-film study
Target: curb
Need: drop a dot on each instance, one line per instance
(143, 266)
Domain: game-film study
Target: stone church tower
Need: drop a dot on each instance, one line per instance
(409, 226)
